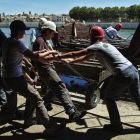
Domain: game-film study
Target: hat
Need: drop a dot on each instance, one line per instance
(96, 32)
(18, 25)
(41, 22)
(49, 25)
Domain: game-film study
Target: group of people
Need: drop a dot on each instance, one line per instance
(123, 74)
(13, 51)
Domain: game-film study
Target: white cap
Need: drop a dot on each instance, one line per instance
(43, 19)
(41, 22)
(48, 25)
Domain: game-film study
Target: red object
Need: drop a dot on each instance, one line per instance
(118, 26)
(97, 32)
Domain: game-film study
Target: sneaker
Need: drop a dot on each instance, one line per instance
(113, 128)
(54, 129)
(48, 107)
(76, 116)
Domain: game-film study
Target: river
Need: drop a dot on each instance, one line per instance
(125, 33)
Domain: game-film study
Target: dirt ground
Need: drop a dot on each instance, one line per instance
(89, 128)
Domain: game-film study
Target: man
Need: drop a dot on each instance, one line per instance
(36, 32)
(123, 73)
(3, 98)
(12, 56)
(8, 100)
(50, 77)
(112, 33)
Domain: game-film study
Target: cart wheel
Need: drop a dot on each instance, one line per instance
(92, 99)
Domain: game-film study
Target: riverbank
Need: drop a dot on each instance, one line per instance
(126, 25)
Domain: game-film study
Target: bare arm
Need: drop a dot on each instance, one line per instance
(120, 37)
(28, 78)
(68, 55)
(78, 59)
(27, 62)
(38, 55)
(74, 54)
(31, 54)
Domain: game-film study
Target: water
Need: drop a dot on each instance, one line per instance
(125, 33)
(26, 38)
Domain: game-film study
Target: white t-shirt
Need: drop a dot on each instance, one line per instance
(109, 57)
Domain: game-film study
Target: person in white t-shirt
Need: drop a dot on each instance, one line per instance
(123, 73)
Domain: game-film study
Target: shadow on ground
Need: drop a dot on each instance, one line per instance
(66, 134)
(17, 132)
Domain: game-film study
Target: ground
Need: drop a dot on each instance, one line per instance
(89, 128)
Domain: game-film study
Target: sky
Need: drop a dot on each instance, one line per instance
(57, 6)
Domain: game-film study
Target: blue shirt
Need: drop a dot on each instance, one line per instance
(12, 56)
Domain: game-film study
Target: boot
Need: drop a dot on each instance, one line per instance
(53, 129)
(49, 107)
(77, 115)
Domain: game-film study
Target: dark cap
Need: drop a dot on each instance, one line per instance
(18, 25)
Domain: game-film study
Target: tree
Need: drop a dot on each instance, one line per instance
(74, 12)
(132, 12)
(107, 13)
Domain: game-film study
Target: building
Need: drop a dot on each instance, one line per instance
(60, 18)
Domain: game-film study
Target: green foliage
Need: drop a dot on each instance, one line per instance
(131, 13)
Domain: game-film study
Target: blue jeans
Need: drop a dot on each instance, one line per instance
(115, 85)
